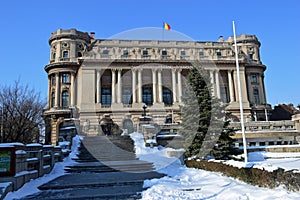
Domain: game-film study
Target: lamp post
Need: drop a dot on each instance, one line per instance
(144, 107)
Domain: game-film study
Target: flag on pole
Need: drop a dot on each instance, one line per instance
(167, 26)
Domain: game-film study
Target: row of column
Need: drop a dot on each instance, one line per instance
(157, 86)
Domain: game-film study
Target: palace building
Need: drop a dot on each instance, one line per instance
(89, 78)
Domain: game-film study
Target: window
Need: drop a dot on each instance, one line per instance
(224, 94)
(106, 96)
(53, 80)
(147, 96)
(79, 54)
(251, 56)
(182, 54)
(201, 54)
(145, 53)
(126, 96)
(105, 52)
(53, 56)
(125, 53)
(164, 53)
(219, 54)
(52, 103)
(65, 77)
(65, 54)
(167, 96)
(256, 96)
(253, 78)
(65, 99)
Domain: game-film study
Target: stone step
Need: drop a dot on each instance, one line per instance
(106, 179)
(130, 192)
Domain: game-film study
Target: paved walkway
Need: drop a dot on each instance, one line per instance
(102, 171)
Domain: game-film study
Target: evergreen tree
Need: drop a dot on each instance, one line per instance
(203, 117)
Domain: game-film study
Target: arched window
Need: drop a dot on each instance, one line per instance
(147, 95)
(53, 56)
(52, 103)
(65, 98)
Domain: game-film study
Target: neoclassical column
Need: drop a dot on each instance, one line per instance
(179, 86)
(217, 76)
(159, 86)
(230, 83)
(119, 93)
(139, 96)
(174, 86)
(57, 90)
(49, 91)
(213, 89)
(154, 85)
(98, 82)
(72, 88)
(113, 86)
(133, 85)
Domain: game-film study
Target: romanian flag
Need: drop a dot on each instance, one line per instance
(167, 26)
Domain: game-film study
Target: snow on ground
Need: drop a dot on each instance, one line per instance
(188, 183)
(57, 171)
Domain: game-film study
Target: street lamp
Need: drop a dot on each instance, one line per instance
(144, 107)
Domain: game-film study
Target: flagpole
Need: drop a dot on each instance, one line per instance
(240, 95)
(163, 33)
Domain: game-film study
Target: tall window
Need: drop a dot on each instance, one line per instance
(126, 96)
(53, 56)
(65, 54)
(224, 94)
(65, 99)
(106, 96)
(52, 102)
(256, 96)
(182, 54)
(65, 77)
(164, 53)
(53, 79)
(167, 96)
(147, 96)
(254, 78)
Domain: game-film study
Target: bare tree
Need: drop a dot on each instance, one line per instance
(22, 113)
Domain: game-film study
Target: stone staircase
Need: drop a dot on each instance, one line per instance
(103, 170)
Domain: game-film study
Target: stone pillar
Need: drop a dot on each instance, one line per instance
(213, 89)
(49, 91)
(57, 90)
(243, 86)
(133, 85)
(98, 87)
(217, 75)
(139, 96)
(113, 86)
(72, 88)
(230, 83)
(119, 94)
(174, 86)
(179, 86)
(160, 100)
(154, 85)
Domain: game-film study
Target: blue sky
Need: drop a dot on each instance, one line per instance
(26, 27)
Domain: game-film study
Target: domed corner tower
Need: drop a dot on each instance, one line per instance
(253, 71)
(67, 48)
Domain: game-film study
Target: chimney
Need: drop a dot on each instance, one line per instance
(92, 35)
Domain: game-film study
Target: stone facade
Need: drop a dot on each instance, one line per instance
(88, 77)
